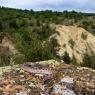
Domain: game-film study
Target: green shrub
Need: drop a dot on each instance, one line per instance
(4, 59)
(72, 43)
(29, 30)
(89, 60)
(84, 36)
(66, 58)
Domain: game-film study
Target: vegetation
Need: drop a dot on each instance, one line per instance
(74, 60)
(66, 58)
(4, 60)
(89, 60)
(84, 36)
(29, 30)
(72, 43)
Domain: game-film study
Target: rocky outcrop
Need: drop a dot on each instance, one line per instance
(67, 80)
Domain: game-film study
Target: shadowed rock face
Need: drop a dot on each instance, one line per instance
(73, 40)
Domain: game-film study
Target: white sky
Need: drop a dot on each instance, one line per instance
(59, 5)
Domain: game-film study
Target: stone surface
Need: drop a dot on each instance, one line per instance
(67, 80)
(61, 90)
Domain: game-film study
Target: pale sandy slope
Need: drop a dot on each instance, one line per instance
(81, 46)
(7, 43)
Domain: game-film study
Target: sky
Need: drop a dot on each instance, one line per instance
(55, 5)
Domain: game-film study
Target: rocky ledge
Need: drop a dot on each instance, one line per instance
(67, 80)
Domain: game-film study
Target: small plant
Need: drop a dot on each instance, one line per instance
(4, 59)
(54, 42)
(74, 60)
(66, 58)
(89, 60)
(72, 43)
(84, 36)
(64, 45)
(1, 91)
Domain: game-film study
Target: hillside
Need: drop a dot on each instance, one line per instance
(28, 33)
(74, 40)
(46, 52)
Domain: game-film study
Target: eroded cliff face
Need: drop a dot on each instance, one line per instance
(74, 40)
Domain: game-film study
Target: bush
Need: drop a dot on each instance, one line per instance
(74, 60)
(72, 43)
(89, 60)
(4, 59)
(84, 36)
(1, 27)
(66, 58)
(54, 42)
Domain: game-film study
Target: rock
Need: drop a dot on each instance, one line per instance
(12, 81)
(21, 71)
(39, 75)
(22, 93)
(9, 88)
(61, 90)
(32, 85)
(1, 90)
(67, 80)
(21, 76)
